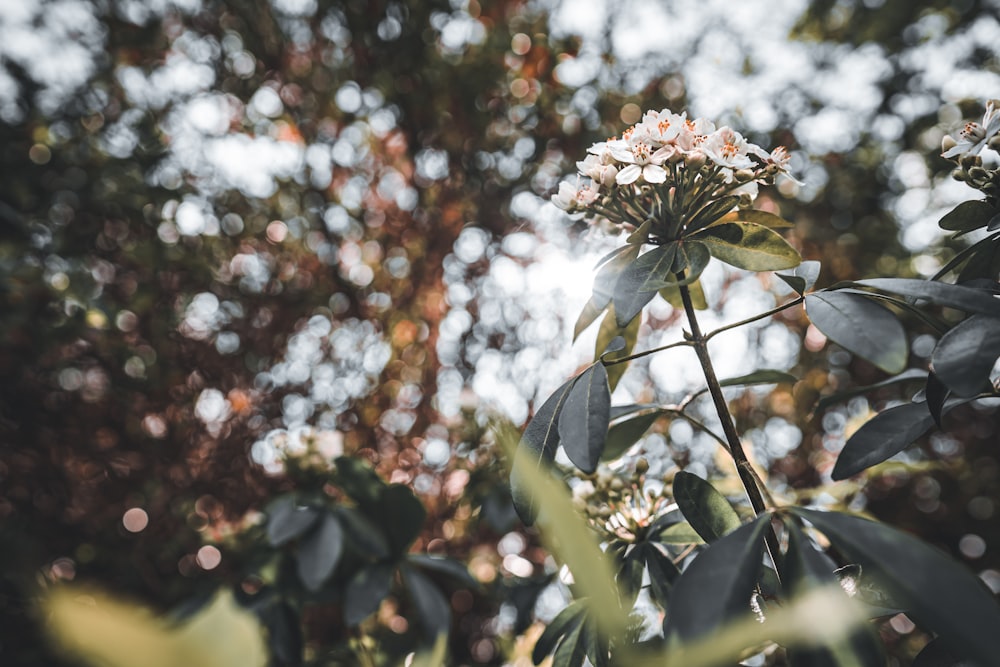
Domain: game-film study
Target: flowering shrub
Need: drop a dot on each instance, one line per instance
(682, 190)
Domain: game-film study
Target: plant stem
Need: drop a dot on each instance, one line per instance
(773, 311)
(646, 353)
(743, 468)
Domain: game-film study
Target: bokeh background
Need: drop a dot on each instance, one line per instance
(230, 226)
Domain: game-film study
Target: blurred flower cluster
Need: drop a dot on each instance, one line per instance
(965, 151)
(666, 168)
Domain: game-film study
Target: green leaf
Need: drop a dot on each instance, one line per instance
(808, 568)
(446, 566)
(287, 520)
(366, 538)
(905, 376)
(758, 217)
(572, 649)
(402, 516)
(749, 246)
(583, 422)
(662, 572)
(936, 393)
(691, 257)
(284, 633)
(681, 532)
(964, 357)
(626, 433)
(360, 482)
(564, 622)
(939, 594)
(716, 587)
(434, 610)
(885, 435)
(637, 284)
(537, 448)
(707, 510)
(609, 331)
(711, 212)
(967, 216)
(591, 311)
(672, 295)
(319, 552)
(607, 276)
(934, 654)
(763, 376)
(960, 297)
(861, 326)
(365, 592)
(984, 247)
(802, 277)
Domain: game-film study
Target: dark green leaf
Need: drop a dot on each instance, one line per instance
(596, 647)
(807, 568)
(677, 533)
(360, 482)
(626, 433)
(885, 435)
(716, 587)
(934, 654)
(564, 623)
(984, 262)
(861, 326)
(365, 592)
(572, 649)
(905, 376)
(711, 212)
(935, 394)
(749, 246)
(759, 217)
(286, 520)
(447, 566)
(284, 633)
(366, 538)
(583, 422)
(964, 357)
(662, 573)
(634, 287)
(960, 297)
(802, 277)
(967, 216)
(691, 258)
(763, 376)
(619, 411)
(434, 610)
(707, 510)
(402, 516)
(537, 448)
(319, 552)
(986, 246)
(939, 594)
(631, 569)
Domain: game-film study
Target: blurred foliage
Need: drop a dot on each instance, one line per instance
(178, 305)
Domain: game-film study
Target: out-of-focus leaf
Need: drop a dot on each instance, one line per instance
(609, 331)
(402, 516)
(939, 594)
(905, 376)
(447, 566)
(366, 538)
(806, 568)
(319, 552)
(565, 622)
(571, 539)
(626, 433)
(360, 482)
(583, 422)
(707, 510)
(537, 449)
(433, 607)
(749, 246)
(885, 435)
(967, 216)
(802, 277)
(964, 357)
(934, 654)
(435, 657)
(861, 326)
(284, 633)
(365, 591)
(286, 520)
(591, 311)
(716, 587)
(960, 297)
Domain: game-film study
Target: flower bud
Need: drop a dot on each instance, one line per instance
(696, 159)
(967, 160)
(978, 174)
(744, 175)
(960, 175)
(994, 142)
(642, 466)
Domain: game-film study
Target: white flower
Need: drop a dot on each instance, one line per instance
(637, 153)
(575, 197)
(727, 148)
(599, 167)
(974, 137)
(663, 126)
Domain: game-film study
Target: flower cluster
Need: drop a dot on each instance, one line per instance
(965, 151)
(667, 166)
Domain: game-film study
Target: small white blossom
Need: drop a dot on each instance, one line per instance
(974, 136)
